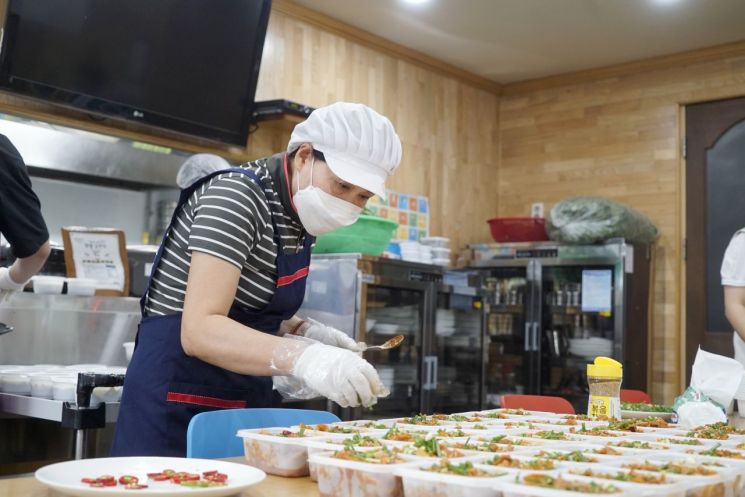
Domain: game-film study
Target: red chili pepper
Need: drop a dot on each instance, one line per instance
(89, 480)
(128, 479)
(209, 473)
(217, 477)
(158, 477)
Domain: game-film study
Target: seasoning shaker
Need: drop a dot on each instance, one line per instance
(604, 378)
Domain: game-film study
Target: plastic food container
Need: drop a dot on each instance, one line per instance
(50, 285)
(326, 445)
(672, 487)
(568, 454)
(604, 378)
(448, 451)
(518, 229)
(42, 385)
(81, 286)
(105, 394)
(343, 478)
(513, 488)
(63, 388)
(724, 481)
(18, 383)
(418, 482)
(277, 455)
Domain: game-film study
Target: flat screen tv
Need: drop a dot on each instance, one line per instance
(186, 65)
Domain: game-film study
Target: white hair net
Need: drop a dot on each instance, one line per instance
(198, 166)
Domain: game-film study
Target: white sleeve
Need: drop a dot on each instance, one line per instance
(733, 265)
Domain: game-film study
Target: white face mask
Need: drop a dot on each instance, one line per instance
(321, 212)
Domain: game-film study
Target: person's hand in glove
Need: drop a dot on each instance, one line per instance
(328, 335)
(7, 285)
(332, 372)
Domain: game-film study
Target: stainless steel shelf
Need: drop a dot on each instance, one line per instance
(35, 407)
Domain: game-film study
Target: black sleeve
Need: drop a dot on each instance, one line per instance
(21, 222)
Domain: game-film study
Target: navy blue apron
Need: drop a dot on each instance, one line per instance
(164, 388)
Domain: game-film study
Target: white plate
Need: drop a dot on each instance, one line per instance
(65, 477)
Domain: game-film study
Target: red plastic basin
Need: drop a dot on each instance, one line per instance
(518, 229)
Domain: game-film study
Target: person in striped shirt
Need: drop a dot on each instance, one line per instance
(219, 314)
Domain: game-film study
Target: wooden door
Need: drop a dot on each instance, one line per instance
(715, 209)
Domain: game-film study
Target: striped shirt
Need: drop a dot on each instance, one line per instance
(230, 217)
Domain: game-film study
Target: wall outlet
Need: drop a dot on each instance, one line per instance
(536, 210)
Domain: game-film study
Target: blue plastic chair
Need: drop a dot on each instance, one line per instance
(211, 435)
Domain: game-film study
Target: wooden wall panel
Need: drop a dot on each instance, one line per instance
(617, 137)
(448, 127)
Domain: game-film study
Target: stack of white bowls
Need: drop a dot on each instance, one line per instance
(425, 254)
(48, 381)
(439, 248)
(410, 251)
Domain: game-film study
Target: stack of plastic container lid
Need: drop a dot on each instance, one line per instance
(440, 248)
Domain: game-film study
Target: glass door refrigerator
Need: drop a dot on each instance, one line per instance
(509, 356)
(456, 346)
(580, 302)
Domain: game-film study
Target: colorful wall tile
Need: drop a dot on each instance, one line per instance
(411, 212)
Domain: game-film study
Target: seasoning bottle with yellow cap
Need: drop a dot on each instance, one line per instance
(604, 377)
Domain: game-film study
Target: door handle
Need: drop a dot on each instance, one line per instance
(433, 381)
(535, 337)
(527, 337)
(426, 373)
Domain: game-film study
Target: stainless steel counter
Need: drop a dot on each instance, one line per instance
(51, 410)
(58, 329)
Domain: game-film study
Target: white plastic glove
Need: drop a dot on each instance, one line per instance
(330, 336)
(7, 285)
(339, 375)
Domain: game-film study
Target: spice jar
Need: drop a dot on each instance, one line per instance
(604, 378)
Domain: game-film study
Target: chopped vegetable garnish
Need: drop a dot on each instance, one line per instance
(506, 461)
(383, 455)
(641, 407)
(546, 481)
(462, 469)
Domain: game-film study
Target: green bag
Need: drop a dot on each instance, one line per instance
(581, 220)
